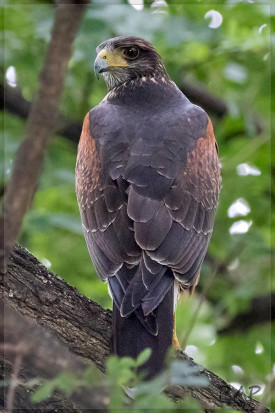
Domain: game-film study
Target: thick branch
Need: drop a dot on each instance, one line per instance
(30, 156)
(261, 310)
(12, 101)
(209, 102)
(85, 327)
(213, 105)
(43, 357)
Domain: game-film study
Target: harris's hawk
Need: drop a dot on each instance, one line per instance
(147, 184)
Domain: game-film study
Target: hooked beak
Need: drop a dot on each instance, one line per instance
(100, 66)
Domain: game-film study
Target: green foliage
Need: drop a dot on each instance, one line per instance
(66, 382)
(120, 372)
(126, 386)
(233, 63)
(123, 372)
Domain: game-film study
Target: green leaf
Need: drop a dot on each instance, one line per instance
(117, 398)
(90, 376)
(43, 392)
(127, 362)
(112, 365)
(143, 356)
(66, 382)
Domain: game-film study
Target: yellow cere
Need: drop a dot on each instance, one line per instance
(113, 57)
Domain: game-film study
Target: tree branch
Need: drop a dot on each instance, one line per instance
(30, 156)
(12, 101)
(261, 310)
(43, 357)
(214, 105)
(85, 328)
(209, 102)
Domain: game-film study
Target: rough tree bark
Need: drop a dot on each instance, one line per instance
(45, 357)
(30, 156)
(85, 328)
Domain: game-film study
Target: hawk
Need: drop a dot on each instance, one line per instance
(147, 184)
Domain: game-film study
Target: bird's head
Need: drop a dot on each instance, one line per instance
(121, 59)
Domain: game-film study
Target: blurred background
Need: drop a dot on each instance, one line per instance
(219, 55)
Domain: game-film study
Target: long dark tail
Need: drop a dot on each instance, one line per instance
(130, 336)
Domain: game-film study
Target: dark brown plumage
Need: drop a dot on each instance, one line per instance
(147, 183)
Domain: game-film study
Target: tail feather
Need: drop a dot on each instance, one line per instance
(131, 336)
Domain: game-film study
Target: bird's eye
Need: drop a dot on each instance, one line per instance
(131, 52)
